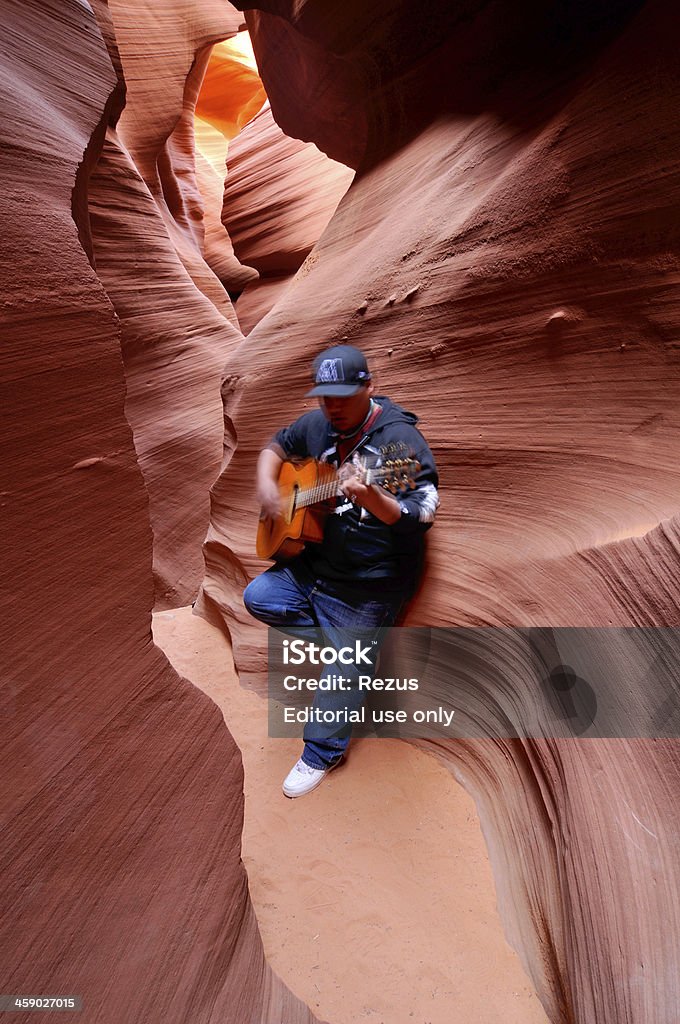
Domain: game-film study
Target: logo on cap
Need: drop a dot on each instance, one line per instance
(330, 372)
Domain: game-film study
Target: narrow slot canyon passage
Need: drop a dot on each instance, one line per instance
(199, 197)
(374, 895)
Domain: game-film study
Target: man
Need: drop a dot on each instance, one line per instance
(367, 565)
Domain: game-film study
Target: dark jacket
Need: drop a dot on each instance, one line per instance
(357, 546)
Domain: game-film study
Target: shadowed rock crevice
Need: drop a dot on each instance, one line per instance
(361, 92)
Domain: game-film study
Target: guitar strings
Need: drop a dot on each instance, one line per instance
(323, 491)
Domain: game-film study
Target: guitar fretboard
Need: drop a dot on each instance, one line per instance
(329, 488)
(316, 494)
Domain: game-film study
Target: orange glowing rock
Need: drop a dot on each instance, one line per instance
(231, 93)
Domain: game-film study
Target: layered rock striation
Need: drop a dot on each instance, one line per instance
(279, 196)
(149, 248)
(507, 257)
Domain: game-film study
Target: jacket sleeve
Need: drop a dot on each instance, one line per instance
(292, 440)
(419, 506)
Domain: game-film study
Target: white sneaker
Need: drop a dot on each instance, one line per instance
(302, 778)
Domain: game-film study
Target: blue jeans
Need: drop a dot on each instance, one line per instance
(288, 596)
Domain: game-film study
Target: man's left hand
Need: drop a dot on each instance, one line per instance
(376, 500)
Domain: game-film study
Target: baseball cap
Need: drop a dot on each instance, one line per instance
(340, 371)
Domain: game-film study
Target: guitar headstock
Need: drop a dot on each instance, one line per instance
(398, 468)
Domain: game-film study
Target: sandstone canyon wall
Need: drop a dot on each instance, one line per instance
(508, 258)
(122, 800)
(165, 257)
(177, 320)
(298, 189)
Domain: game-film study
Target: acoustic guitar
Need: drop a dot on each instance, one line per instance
(308, 493)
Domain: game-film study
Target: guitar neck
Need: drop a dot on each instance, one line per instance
(318, 493)
(329, 489)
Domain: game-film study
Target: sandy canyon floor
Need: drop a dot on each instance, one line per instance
(374, 894)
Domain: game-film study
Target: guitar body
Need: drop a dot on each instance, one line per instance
(308, 492)
(286, 536)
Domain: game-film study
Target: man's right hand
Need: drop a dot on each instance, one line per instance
(267, 487)
(269, 498)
